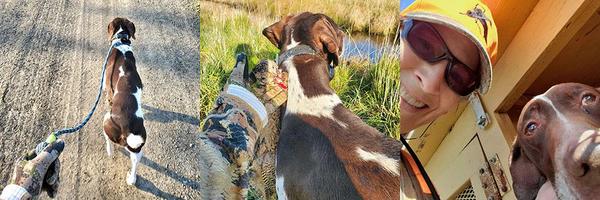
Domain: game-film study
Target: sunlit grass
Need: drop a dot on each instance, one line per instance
(369, 90)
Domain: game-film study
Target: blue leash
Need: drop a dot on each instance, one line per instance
(53, 136)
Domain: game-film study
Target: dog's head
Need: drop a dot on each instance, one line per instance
(315, 30)
(559, 140)
(121, 26)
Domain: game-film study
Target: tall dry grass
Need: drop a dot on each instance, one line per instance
(372, 16)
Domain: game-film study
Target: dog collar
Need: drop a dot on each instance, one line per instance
(122, 43)
(303, 49)
(297, 50)
(121, 36)
(123, 47)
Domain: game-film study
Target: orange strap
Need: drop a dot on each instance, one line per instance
(413, 165)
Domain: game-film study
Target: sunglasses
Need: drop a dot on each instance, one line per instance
(428, 44)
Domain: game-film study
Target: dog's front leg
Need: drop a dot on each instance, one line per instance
(135, 159)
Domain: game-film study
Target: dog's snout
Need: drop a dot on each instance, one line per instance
(579, 168)
(586, 154)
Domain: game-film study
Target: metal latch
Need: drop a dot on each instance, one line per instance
(481, 117)
(493, 179)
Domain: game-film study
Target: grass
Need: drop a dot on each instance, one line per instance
(369, 90)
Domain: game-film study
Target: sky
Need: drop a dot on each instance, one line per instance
(405, 3)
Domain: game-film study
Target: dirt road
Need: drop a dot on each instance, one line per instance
(51, 52)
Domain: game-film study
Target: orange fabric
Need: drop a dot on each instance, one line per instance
(413, 166)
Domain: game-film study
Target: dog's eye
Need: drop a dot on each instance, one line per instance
(588, 98)
(531, 126)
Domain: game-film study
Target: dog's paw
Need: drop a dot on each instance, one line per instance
(131, 178)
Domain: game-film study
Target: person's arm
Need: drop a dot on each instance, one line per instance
(34, 173)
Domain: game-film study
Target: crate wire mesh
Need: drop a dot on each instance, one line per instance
(467, 194)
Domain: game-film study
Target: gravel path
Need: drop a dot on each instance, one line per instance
(51, 52)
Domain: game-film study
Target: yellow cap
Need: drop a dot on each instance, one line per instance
(469, 17)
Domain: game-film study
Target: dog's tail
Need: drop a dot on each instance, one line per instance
(134, 141)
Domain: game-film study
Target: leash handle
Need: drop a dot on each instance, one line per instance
(42, 145)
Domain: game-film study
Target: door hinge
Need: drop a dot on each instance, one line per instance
(493, 179)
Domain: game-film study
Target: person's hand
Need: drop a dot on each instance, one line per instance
(269, 83)
(36, 172)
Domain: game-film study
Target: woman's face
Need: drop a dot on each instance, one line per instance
(424, 91)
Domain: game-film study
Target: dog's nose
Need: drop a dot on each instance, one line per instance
(586, 154)
(580, 169)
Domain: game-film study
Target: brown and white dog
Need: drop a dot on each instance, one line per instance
(324, 150)
(558, 142)
(124, 123)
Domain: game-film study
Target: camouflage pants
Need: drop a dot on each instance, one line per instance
(231, 127)
(245, 141)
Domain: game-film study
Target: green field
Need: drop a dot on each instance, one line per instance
(226, 28)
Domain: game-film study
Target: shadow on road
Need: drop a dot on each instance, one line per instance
(182, 179)
(163, 116)
(148, 186)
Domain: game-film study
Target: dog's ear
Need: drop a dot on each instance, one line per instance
(527, 179)
(111, 30)
(275, 32)
(331, 38)
(130, 28)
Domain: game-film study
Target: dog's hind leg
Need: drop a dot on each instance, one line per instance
(109, 144)
(135, 159)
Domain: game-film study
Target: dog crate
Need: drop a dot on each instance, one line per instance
(541, 43)
(466, 194)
